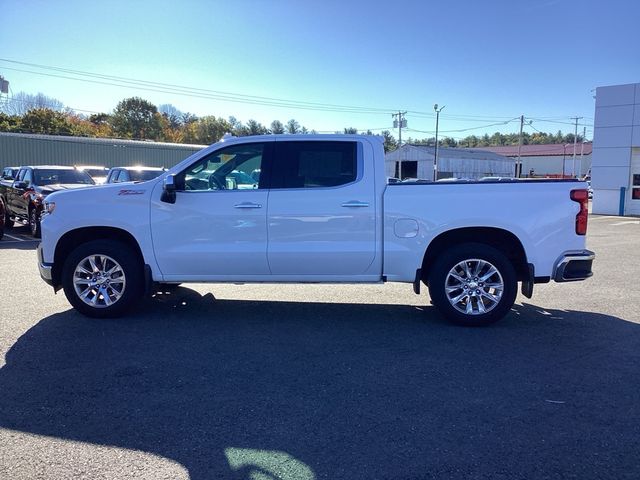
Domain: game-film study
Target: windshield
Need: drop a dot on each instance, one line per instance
(96, 172)
(143, 175)
(56, 176)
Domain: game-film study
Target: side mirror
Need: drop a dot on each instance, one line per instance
(20, 185)
(169, 189)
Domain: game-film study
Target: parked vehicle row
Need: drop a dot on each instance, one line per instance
(23, 189)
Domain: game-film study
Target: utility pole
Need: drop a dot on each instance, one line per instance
(519, 161)
(518, 173)
(575, 143)
(399, 121)
(435, 155)
(584, 135)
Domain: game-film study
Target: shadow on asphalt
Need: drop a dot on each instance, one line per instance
(18, 238)
(8, 244)
(335, 390)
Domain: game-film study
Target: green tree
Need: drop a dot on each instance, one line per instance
(210, 129)
(389, 141)
(277, 127)
(350, 131)
(172, 114)
(188, 118)
(448, 142)
(293, 126)
(256, 128)
(9, 123)
(45, 121)
(100, 118)
(137, 118)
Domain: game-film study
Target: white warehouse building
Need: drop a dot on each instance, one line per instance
(615, 170)
(416, 161)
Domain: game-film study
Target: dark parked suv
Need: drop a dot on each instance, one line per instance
(24, 198)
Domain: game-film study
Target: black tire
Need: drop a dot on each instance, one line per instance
(2, 218)
(130, 264)
(34, 222)
(439, 281)
(8, 223)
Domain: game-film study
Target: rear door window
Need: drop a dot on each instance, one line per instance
(313, 164)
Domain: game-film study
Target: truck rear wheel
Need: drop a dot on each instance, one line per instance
(102, 278)
(473, 284)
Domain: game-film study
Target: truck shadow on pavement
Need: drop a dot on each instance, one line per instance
(237, 389)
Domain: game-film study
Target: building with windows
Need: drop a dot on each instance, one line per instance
(552, 160)
(416, 161)
(615, 173)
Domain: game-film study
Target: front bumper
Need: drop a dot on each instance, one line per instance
(574, 266)
(46, 269)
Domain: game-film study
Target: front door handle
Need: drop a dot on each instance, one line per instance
(248, 205)
(355, 204)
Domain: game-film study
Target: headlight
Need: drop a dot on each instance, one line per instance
(49, 207)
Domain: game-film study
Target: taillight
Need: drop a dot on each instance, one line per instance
(582, 197)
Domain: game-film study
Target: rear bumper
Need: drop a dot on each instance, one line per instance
(45, 268)
(574, 266)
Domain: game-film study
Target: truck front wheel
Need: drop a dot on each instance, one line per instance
(34, 222)
(473, 284)
(102, 278)
(8, 223)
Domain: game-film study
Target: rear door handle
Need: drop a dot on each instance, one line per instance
(355, 204)
(248, 205)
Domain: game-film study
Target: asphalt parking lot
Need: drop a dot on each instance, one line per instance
(331, 382)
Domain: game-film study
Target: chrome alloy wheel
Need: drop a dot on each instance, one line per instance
(474, 286)
(99, 281)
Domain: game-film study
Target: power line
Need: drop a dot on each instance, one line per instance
(125, 82)
(195, 92)
(560, 122)
(468, 129)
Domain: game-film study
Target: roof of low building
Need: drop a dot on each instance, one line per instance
(98, 140)
(548, 150)
(452, 152)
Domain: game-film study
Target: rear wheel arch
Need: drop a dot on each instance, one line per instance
(74, 238)
(498, 238)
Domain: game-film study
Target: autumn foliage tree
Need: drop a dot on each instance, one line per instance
(137, 118)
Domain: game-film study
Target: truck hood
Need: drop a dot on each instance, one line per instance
(47, 189)
(102, 194)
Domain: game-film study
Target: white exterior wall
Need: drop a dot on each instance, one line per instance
(552, 164)
(459, 163)
(410, 154)
(616, 132)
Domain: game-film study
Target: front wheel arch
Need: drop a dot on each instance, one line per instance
(73, 238)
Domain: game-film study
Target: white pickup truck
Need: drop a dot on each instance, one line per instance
(318, 209)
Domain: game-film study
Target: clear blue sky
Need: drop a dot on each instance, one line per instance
(482, 59)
